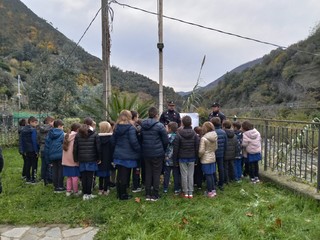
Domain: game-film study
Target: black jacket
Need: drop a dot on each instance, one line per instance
(231, 148)
(87, 149)
(106, 151)
(185, 145)
(170, 116)
(154, 138)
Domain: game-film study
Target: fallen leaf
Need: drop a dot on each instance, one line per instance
(185, 221)
(278, 222)
(137, 200)
(249, 214)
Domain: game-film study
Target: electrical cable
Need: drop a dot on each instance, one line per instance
(210, 28)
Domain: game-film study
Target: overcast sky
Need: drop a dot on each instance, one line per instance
(135, 35)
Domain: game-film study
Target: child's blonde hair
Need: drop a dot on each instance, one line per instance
(105, 127)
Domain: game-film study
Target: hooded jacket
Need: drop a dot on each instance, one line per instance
(67, 156)
(222, 142)
(186, 145)
(87, 149)
(42, 134)
(154, 138)
(231, 148)
(126, 144)
(208, 146)
(107, 150)
(28, 140)
(251, 140)
(53, 145)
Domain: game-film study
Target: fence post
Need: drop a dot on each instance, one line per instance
(318, 170)
(265, 145)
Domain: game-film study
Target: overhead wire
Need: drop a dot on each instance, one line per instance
(210, 28)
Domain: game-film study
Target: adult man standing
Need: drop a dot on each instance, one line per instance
(216, 112)
(170, 115)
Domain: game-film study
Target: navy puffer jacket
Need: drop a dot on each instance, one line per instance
(222, 142)
(126, 144)
(154, 138)
(53, 145)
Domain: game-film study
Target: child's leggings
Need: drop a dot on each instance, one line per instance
(72, 184)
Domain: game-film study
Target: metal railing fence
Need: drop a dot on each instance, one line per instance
(290, 148)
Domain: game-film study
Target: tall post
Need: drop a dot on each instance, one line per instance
(160, 46)
(106, 76)
(19, 94)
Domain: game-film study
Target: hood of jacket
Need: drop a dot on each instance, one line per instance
(148, 123)
(55, 133)
(252, 134)
(105, 137)
(44, 128)
(230, 133)
(211, 136)
(187, 133)
(122, 129)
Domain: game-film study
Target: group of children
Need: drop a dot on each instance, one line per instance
(214, 153)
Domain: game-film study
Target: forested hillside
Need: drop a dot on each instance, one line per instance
(56, 75)
(283, 76)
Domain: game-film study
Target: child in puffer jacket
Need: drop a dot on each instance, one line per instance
(252, 149)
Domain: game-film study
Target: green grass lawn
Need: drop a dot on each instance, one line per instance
(242, 211)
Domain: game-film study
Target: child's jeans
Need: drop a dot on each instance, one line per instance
(176, 177)
(254, 169)
(237, 169)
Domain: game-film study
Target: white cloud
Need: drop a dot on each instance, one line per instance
(135, 33)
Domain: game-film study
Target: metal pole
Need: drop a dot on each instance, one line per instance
(160, 46)
(266, 146)
(318, 171)
(106, 78)
(19, 94)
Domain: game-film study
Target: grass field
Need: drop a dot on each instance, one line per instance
(242, 211)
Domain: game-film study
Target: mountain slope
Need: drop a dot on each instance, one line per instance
(283, 76)
(29, 43)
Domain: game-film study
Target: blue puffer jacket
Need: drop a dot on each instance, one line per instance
(126, 144)
(154, 138)
(222, 142)
(53, 145)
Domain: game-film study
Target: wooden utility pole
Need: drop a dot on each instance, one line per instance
(160, 46)
(106, 77)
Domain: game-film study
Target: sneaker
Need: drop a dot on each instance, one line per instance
(214, 192)
(85, 197)
(154, 198)
(190, 196)
(68, 194)
(77, 193)
(185, 196)
(148, 198)
(177, 192)
(165, 190)
(106, 193)
(125, 197)
(112, 185)
(92, 196)
(257, 179)
(59, 190)
(100, 192)
(253, 180)
(135, 190)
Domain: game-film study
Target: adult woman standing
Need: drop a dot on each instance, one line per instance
(126, 151)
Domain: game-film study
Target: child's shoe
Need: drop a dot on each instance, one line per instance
(85, 197)
(106, 193)
(253, 180)
(136, 190)
(257, 179)
(165, 190)
(100, 192)
(185, 196)
(177, 192)
(190, 196)
(68, 194)
(148, 198)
